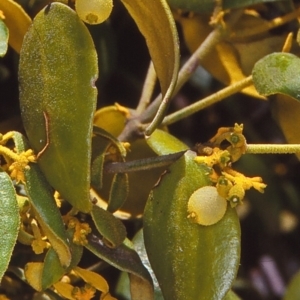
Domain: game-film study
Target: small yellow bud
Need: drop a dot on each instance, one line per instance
(236, 195)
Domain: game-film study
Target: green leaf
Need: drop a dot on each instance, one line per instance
(58, 69)
(43, 275)
(17, 21)
(277, 73)
(111, 228)
(139, 245)
(118, 192)
(9, 220)
(53, 270)
(164, 143)
(3, 38)
(123, 258)
(41, 198)
(190, 261)
(293, 289)
(161, 38)
(207, 6)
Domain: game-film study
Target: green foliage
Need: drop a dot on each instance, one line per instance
(10, 220)
(70, 180)
(179, 250)
(46, 92)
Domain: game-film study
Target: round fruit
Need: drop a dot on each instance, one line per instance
(206, 206)
(93, 11)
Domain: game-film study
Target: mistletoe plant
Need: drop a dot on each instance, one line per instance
(68, 181)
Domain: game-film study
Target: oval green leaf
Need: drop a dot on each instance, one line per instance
(41, 197)
(190, 261)
(111, 228)
(118, 192)
(57, 73)
(163, 143)
(9, 220)
(277, 73)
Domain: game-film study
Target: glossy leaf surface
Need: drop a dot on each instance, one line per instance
(161, 38)
(9, 220)
(58, 69)
(41, 197)
(17, 21)
(190, 261)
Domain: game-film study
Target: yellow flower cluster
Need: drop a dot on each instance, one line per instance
(81, 230)
(230, 184)
(17, 167)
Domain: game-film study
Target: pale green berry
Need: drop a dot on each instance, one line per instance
(93, 11)
(206, 206)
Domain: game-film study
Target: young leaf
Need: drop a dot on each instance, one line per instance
(58, 69)
(277, 73)
(190, 261)
(118, 192)
(111, 228)
(17, 21)
(164, 143)
(3, 38)
(9, 220)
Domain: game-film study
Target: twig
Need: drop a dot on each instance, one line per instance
(148, 88)
(212, 99)
(273, 149)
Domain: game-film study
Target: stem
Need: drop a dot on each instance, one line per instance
(212, 99)
(273, 149)
(6, 152)
(148, 88)
(246, 33)
(143, 164)
(185, 73)
(214, 38)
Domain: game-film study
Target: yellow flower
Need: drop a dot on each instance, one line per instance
(81, 231)
(20, 164)
(85, 293)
